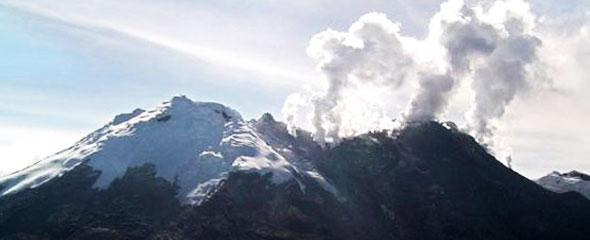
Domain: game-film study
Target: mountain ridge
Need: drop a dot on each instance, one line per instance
(572, 181)
(206, 140)
(424, 181)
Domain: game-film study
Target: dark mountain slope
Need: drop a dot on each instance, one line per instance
(247, 207)
(424, 182)
(136, 206)
(434, 183)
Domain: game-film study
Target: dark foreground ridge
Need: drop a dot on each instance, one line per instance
(426, 182)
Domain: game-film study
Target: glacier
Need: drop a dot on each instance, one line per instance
(194, 144)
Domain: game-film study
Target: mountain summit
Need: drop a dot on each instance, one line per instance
(190, 170)
(194, 144)
(564, 182)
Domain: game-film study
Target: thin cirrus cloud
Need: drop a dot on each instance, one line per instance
(209, 54)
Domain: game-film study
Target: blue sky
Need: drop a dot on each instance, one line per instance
(68, 67)
(70, 78)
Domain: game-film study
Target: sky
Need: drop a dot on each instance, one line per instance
(68, 67)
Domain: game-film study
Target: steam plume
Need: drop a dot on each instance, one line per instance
(430, 98)
(493, 46)
(290, 109)
(371, 51)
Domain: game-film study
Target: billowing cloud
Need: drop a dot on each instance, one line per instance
(430, 98)
(371, 51)
(499, 80)
(491, 46)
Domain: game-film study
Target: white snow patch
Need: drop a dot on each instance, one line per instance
(191, 142)
(203, 191)
(251, 153)
(210, 154)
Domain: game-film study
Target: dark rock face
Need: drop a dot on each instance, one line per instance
(247, 207)
(136, 206)
(426, 182)
(276, 134)
(432, 183)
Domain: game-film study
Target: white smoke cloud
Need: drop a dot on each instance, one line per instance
(371, 51)
(505, 72)
(492, 46)
(290, 110)
(430, 98)
(499, 80)
(463, 35)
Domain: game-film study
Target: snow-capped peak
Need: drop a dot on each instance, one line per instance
(565, 182)
(192, 143)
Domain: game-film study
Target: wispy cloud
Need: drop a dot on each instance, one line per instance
(205, 53)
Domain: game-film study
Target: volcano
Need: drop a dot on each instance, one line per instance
(195, 170)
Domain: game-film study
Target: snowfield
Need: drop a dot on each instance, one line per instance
(195, 144)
